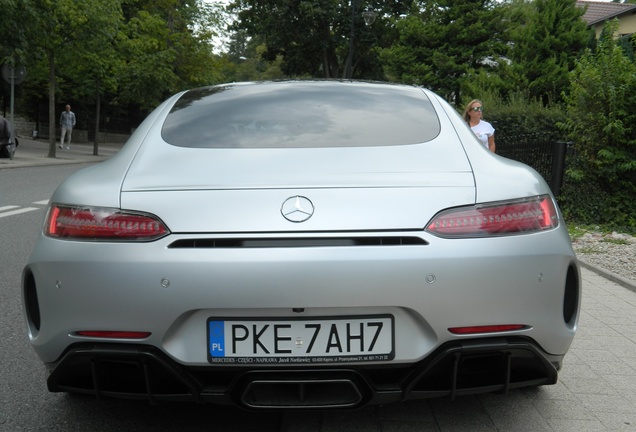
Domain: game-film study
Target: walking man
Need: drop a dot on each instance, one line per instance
(67, 123)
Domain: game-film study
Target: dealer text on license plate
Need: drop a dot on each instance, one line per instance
(321, 340)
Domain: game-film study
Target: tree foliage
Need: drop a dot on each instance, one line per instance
(313, 36)
(68, 35)
(441, 41)
(600, 122)
(244, 60)
(545, 41)
(127, 53)
(161, 52)
(91, 56)
(14, 35)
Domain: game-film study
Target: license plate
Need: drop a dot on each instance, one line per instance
(319, 340)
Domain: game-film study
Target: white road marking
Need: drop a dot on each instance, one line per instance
(16, 212)
(12, 210)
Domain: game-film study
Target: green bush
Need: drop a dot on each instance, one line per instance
(519, 115)
(586, 202)
(600, 182)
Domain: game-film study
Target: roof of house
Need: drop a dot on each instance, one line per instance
(598, 11)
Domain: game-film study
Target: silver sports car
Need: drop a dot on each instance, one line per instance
(304, 244)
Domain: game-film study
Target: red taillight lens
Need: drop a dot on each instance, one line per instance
(487, 329)
(113, 334)
(503, 218)
(97, 223)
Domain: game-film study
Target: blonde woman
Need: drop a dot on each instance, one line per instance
(484, 130)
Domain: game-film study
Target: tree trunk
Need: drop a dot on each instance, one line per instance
(97, 116)
(51, 104)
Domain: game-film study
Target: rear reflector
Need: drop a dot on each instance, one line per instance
(496, 219)
(113, 334)
(487, 329)
(98, 223)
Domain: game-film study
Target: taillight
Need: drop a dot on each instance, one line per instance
(109, 334)
(98, 223)
(487, 329)
(502, 218)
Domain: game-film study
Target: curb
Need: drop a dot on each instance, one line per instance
(618, 279)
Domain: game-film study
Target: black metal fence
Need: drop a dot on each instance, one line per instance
(545, 153)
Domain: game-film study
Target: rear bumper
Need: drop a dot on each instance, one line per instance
(454, 369)
(171, 293)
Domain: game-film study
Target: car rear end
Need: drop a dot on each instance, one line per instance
(276, 268)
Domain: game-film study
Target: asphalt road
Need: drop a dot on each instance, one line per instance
(596, 391)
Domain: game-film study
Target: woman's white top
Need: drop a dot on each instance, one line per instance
(483, 130)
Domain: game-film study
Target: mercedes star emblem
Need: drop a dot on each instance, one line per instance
(297, 209)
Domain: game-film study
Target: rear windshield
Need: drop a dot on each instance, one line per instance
(299, 114)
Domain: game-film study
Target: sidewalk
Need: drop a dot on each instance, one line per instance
(31, 153)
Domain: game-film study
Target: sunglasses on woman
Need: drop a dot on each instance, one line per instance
(477, 109)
